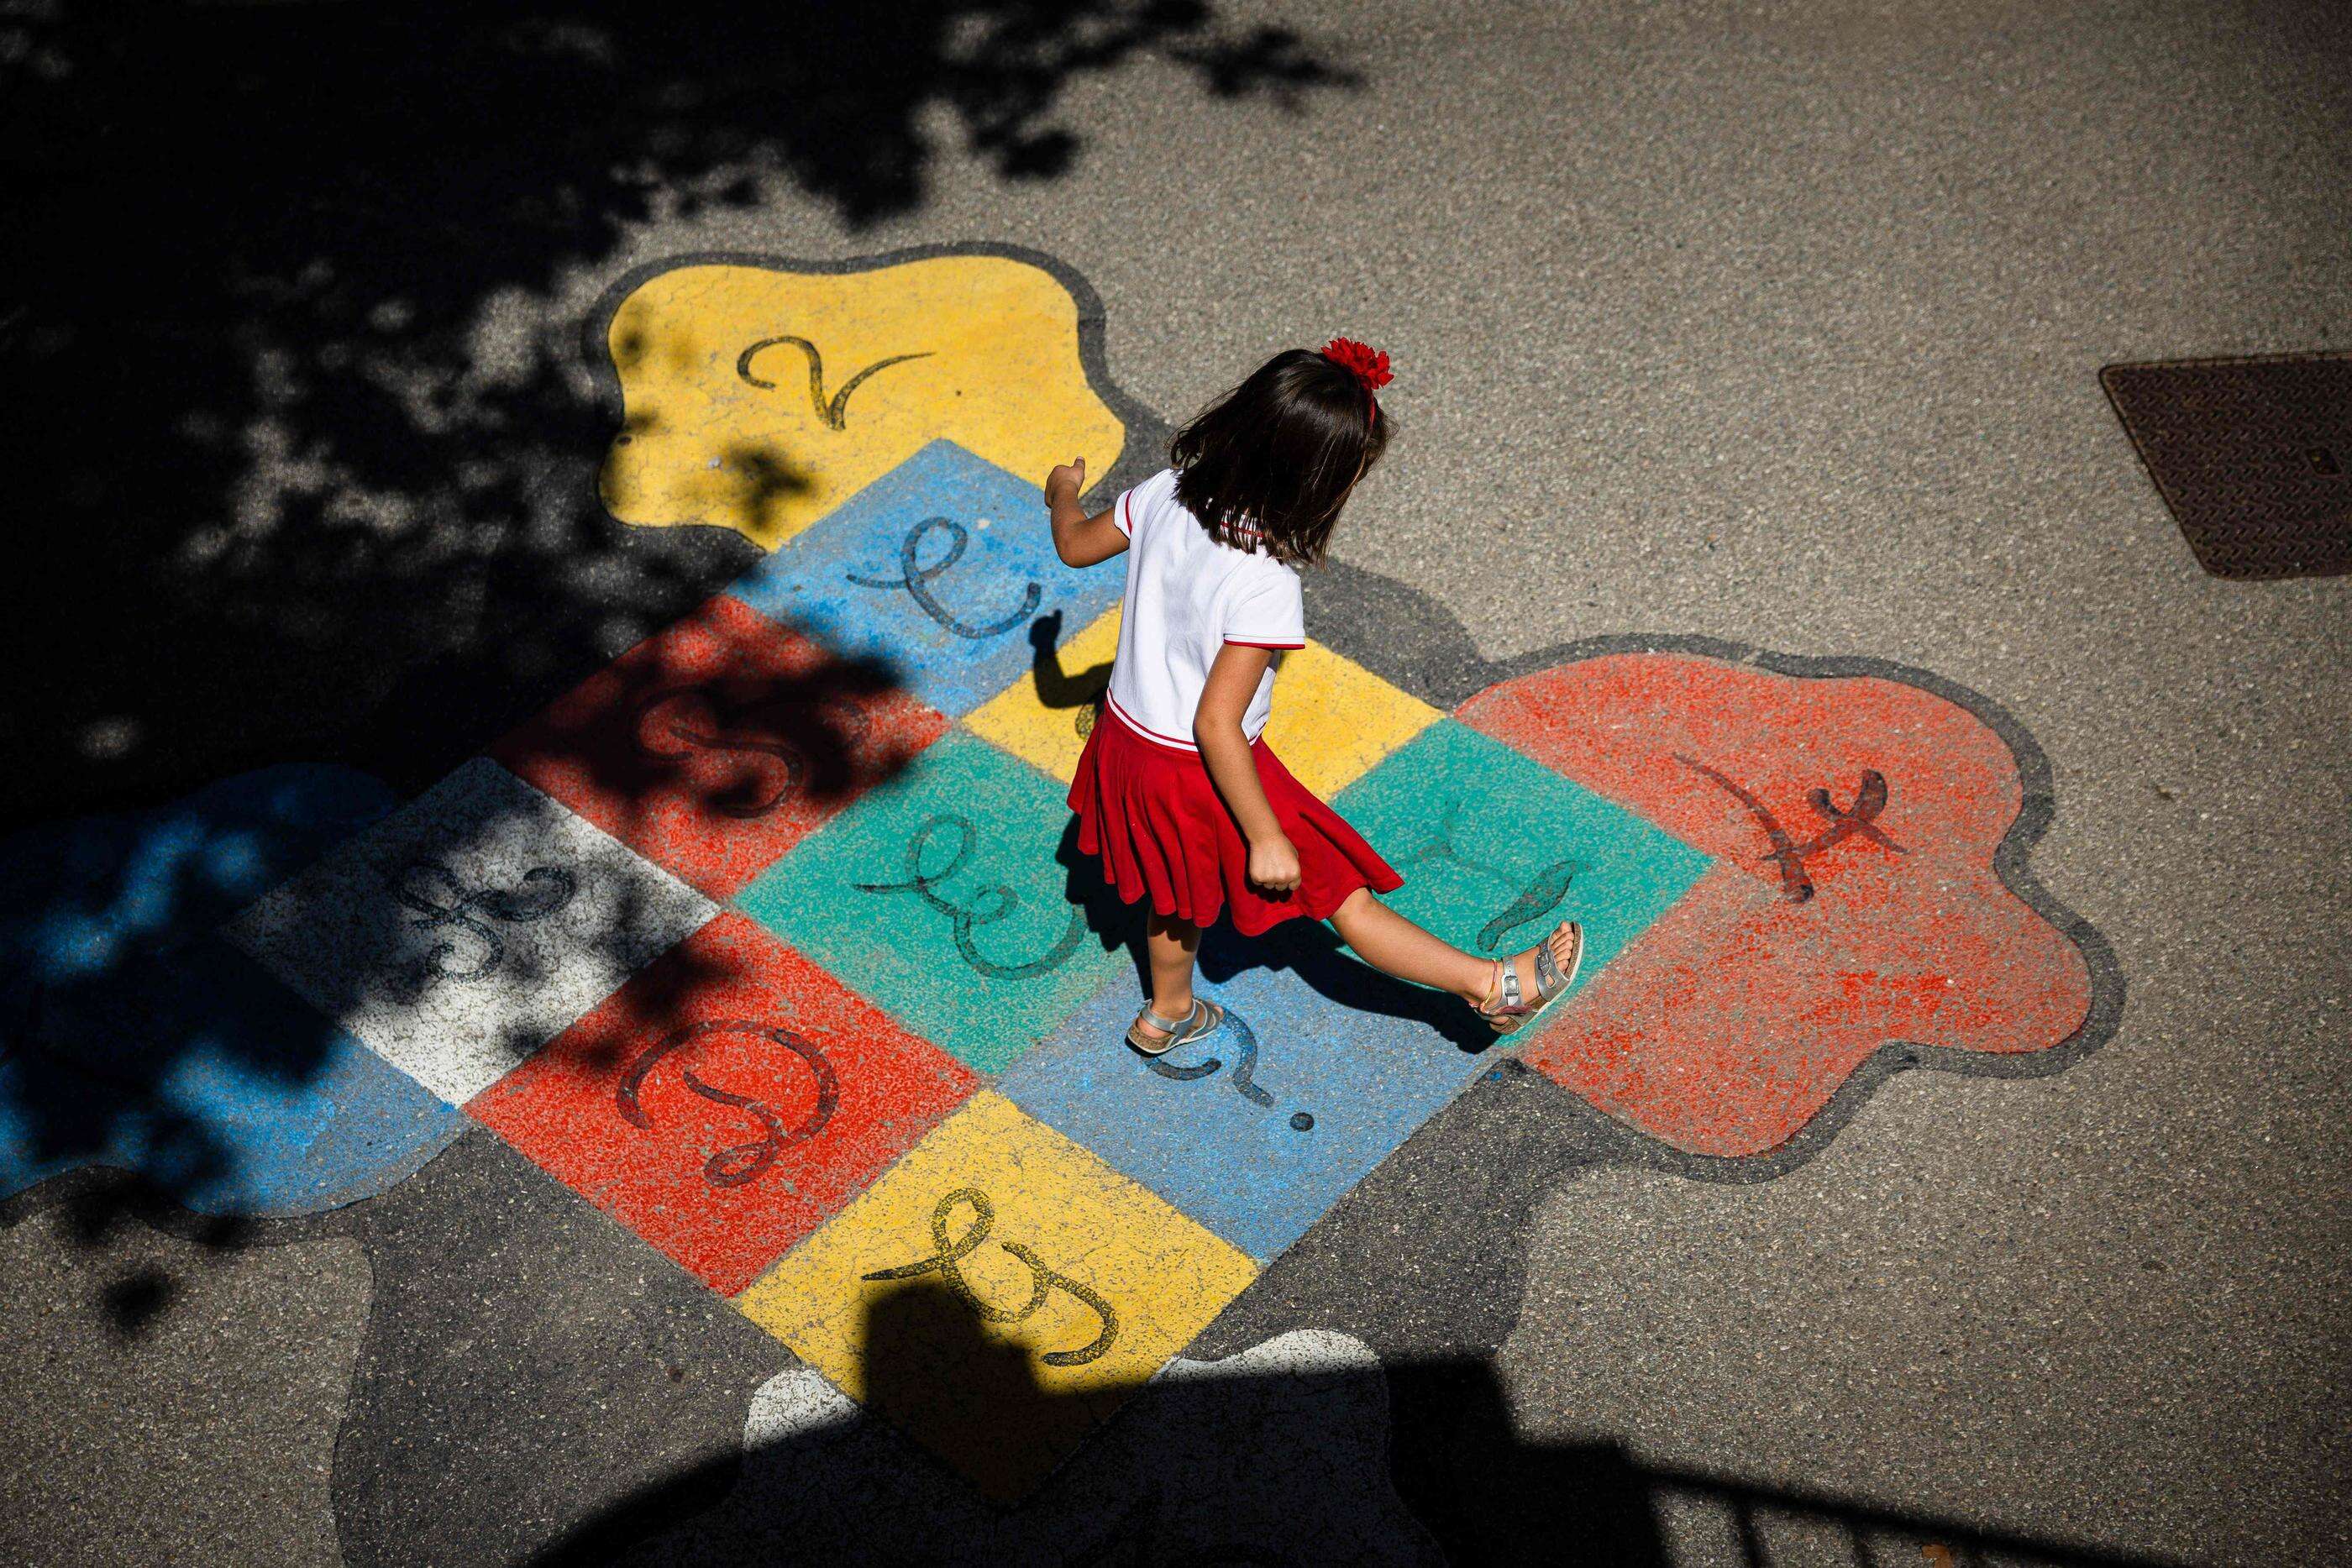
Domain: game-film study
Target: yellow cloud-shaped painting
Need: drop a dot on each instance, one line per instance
(759, 398)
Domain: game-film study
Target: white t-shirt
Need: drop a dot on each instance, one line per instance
(1187, 597)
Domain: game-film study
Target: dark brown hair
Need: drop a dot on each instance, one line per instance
(1268, 465)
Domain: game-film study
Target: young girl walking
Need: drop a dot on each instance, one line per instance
(1177, 792)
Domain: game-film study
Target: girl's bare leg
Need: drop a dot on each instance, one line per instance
(1393, 944)
(1171, 947)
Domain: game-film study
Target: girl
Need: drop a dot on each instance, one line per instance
(1176, 791)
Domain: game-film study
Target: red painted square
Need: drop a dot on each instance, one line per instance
(726, 1102)
(717, 744)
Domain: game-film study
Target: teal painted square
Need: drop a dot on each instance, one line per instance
(944, 896)
(1494, 847)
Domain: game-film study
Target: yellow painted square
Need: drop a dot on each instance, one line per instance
(1333, 718)
(1045, 722)
(974, 1382)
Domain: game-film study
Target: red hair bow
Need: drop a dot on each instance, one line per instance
(1361, 360)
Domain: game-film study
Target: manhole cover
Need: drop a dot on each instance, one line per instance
(2254, 456)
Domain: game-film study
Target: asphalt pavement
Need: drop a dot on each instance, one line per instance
(1777, 325)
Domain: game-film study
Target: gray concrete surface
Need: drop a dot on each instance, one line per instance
(146, 1374)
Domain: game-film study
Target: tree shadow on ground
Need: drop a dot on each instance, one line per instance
(310, 467)
(1291, 1459)
(208, 993)
(309, 473)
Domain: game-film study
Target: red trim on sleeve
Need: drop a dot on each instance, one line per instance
(1246, 643)
(1124, 522)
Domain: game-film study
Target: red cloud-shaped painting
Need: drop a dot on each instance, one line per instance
(1854, 905)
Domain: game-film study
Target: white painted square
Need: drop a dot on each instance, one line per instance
(469, 928)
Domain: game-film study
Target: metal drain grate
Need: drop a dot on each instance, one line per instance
(2254, 456)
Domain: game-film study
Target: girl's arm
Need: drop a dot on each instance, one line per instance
(1217, 729)
(1079, 539)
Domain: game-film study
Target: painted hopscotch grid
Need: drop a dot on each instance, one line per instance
(882, 1093)
(1317, 1074)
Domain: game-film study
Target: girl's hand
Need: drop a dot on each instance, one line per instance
(1079, 539)
(1274, 864)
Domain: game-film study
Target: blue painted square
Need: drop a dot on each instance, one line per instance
(1314, 1033)
(954, 896)
(941, 567)
(137, 1040)
(201, 1072)
(1494, 848)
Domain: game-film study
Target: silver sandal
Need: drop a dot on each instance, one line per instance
(1515, 1010)
(1201, 1022)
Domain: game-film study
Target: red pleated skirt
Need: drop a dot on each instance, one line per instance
(1152, 815)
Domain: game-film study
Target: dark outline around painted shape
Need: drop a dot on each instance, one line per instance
(1417, 644)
